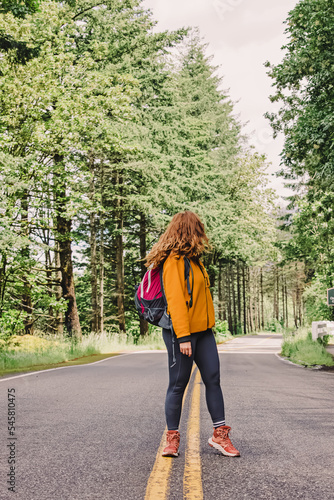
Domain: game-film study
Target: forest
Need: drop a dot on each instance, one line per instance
(108, 127)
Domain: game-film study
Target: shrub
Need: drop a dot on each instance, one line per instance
(301, 349)
(323, 340)
(274, 326)
(221, 330)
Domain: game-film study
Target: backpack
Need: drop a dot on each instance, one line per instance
(150, 298)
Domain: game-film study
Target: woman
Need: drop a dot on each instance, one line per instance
(191, 338)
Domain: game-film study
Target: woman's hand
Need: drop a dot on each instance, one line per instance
(185, 348)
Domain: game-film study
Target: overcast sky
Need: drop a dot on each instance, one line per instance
(242, 35)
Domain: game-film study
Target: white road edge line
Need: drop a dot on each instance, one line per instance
(62, 367)
(313, 368)
(288, 361)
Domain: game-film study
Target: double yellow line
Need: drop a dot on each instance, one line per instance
(158, 483)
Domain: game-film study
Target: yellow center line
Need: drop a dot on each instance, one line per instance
(157, 485)
(192, 478)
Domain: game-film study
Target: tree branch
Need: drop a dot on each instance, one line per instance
(86, 10)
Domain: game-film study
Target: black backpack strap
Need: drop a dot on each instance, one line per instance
(162, 284)
(187, 268)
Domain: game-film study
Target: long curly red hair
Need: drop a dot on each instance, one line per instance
(185, 235)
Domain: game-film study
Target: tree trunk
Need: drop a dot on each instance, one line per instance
(251, 302)
(297, 296)
(220, 293)
(300, 309)
(143, 269)
(248, 299)
(239, 295)
(255, 300)
(262, 307)
(48, 265)
(229, 308)
(26, 296)
(119, 254)
(93, 254)
(234, 301)
(59, 292)
(286, 305)
(63, 236)
(120, 278)
(258, 295)
(224, 294)
(2, 281)
(275, 314)
(101, 277)
(244, 297)
(283, 302)
(251, 311)
(72, 322)
(277, 294)
(294, 308)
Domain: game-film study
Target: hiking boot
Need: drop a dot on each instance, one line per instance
(222, 442)
(173, 441)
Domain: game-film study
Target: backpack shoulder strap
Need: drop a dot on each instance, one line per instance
(162, 283)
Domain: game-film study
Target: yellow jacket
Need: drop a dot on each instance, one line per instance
(201, 315)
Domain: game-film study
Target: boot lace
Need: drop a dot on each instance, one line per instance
(223, 433)
(173, 438)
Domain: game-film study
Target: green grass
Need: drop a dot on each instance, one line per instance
(301, 349)
(46, 366)
(41, 351)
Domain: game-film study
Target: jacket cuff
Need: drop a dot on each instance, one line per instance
(184, 339)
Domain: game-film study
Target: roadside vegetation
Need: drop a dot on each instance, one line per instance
(42, 351)
(301, 349)
(22, 353)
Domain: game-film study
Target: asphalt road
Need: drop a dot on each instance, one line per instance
(93, 431)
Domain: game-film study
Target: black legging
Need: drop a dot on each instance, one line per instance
(205, 355)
